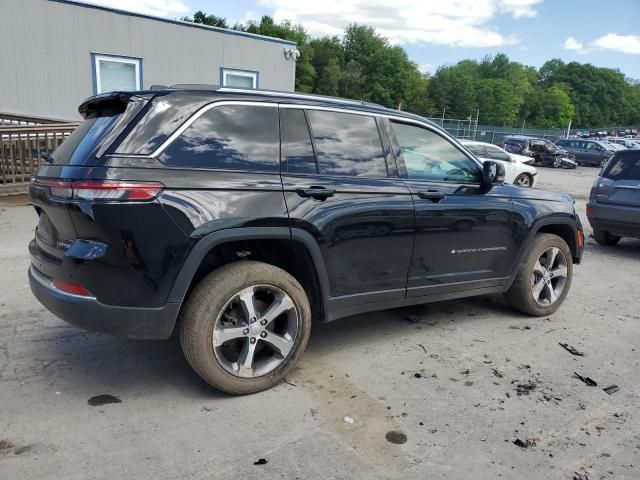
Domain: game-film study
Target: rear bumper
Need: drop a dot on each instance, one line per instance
(90, 314)
(615, 219)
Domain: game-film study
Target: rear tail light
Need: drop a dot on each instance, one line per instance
(72, 288)
(106, 190)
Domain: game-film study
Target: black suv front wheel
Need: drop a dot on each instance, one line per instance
(245, 326)
(544, 277)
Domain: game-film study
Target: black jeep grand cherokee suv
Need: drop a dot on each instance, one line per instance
(241, 215)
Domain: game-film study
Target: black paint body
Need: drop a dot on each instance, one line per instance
(375, 243)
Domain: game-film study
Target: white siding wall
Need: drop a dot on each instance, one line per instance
(45, 54)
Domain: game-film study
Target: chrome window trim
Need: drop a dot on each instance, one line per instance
(187, 123)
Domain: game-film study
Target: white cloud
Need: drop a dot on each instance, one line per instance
(610, 41)
(160, 8)
(620, 43)
(572, 44)
(520, 8)
(426, 68)
(459, 23)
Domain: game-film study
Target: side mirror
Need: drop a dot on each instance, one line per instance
(492, 173)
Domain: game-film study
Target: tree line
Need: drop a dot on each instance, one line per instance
(363, 65)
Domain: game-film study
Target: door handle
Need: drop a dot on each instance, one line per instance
(433, 195)
(316, 191)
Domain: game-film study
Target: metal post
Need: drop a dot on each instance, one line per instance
(569, 128)
(442, 123)
(475, 133)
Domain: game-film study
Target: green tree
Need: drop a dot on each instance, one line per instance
(305, 72)
(204, 19)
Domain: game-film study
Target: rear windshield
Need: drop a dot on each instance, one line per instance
(623, 167)
(82, 145)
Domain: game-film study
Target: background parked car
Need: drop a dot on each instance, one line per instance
(542, 151)
(587, 152)
(626, 142)
(614, 203)
(615, 146)
(517, 167)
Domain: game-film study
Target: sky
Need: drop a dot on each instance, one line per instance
(434, 33)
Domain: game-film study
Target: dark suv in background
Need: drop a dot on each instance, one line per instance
(614, 203)
(238, 216)
(587, 152)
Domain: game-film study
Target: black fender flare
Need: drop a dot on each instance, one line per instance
(537, 225)
(205, 244)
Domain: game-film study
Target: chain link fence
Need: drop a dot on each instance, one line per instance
(469, 129)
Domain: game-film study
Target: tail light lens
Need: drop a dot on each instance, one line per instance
(72, 288)
(106, 190)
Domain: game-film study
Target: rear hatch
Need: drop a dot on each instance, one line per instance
(619, 182)
(106, 116)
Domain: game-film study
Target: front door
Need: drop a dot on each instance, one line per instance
(341, 186)
(464, 236)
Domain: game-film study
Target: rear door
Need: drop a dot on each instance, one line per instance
(341, 186)
(464, 232)
(591, 153)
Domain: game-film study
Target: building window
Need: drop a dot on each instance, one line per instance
(238, 78)
(116, 73)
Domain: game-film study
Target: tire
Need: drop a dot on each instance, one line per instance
(520, 295)
(219, 293)
(605, 238)
(523, 180)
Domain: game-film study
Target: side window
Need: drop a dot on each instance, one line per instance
(297, 150)
(495, 153)
(229, 137)
(428, 156)
(347, 144)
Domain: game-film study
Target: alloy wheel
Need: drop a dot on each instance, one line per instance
(523, 181)
(549, 276)
(255, 331)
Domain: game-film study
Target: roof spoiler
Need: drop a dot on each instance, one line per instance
(115, 102)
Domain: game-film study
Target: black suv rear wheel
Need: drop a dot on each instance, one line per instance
(245, 326)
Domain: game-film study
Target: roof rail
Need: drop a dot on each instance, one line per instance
(309, 96)
(195, 86)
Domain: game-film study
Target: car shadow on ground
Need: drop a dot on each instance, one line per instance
(628, 248)
(100, 364)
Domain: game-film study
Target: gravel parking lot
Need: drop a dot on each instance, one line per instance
(462, 380)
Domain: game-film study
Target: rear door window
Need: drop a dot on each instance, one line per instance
(229, 137)
(623, 167)
(297, 149)
(347, 144)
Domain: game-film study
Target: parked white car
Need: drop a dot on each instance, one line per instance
(517, 167)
